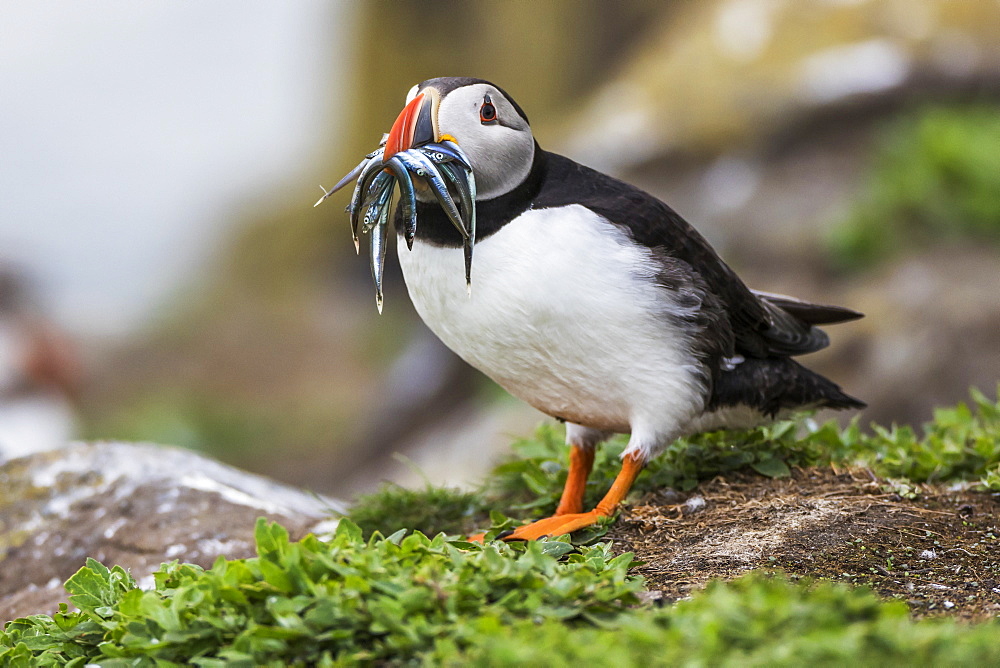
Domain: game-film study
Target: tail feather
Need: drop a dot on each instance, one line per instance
(775, 384)
(807, 312)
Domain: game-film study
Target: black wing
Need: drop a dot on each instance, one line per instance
(772, 325)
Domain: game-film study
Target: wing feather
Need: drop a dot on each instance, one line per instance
(762, 324)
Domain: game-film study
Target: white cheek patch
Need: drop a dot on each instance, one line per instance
(412, 94)
(505, 162)
(501, 156)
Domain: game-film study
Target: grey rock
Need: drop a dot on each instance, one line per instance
(135, 505)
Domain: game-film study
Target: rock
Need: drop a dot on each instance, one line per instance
(136, 505)
(716, 75)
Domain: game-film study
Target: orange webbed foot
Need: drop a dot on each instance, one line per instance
(554, 526)
(564, 522)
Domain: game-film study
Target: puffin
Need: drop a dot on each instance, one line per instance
(40, 375)
(593, 301)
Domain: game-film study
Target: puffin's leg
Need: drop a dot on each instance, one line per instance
(582, 442)
(581, 461)
(632, 465)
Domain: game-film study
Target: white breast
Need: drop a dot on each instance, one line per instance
(564, 314)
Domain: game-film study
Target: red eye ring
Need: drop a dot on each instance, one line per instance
(487, 112)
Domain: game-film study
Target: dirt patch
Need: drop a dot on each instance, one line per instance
(940, 552)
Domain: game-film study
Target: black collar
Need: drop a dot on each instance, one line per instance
(433, 225)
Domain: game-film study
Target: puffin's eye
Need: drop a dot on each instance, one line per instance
(487, 112)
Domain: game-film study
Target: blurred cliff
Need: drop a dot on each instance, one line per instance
(840, 151)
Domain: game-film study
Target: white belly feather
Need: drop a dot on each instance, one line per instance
(564, 314)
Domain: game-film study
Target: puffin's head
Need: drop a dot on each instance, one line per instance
(480, 117)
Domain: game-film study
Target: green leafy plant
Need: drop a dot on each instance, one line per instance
(410, 599)
(936, 176)
(961, 443)
(430, 510)
(756, 620)
(314, 602)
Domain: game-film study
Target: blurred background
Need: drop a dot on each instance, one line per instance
(164, 277)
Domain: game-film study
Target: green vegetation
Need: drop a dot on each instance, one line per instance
(197, 421)
(430, 510)
(409, 598)
(936, 177)
(756, 620)
(311, 602)
(961, 443)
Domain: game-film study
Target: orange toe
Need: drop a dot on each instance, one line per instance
(477, 538)
(566, 520)
(555, 526)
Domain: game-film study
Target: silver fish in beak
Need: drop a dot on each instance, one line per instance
(412, 155)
